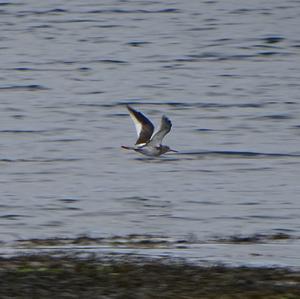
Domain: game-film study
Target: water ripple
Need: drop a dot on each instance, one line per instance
(32, 87)
(237, 154)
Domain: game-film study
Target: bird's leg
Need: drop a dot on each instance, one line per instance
(127, 147)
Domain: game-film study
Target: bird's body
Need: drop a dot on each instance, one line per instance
(147, 144)
(149, 150)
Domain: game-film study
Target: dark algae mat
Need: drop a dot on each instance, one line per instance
(128, 277)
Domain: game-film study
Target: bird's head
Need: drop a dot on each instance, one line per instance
(165, 149)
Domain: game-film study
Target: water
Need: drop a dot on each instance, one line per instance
(226, 74)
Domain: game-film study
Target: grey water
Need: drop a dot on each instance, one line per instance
(226, 73)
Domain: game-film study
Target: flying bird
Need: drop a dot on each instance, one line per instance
(147, 144)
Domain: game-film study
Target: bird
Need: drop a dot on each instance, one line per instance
(147, 144)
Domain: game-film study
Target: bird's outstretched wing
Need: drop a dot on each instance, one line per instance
(165, 128)
(143, 125)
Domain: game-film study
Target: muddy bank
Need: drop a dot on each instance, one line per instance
(126, 277)
(150, 241)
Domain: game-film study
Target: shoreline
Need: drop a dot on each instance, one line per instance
(258, 250)
(128, 276)
(142, 266)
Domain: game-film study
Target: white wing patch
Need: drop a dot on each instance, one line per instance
(137, 124)
(144, 127)
(140, 145)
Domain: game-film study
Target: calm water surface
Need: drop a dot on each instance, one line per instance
(227, 74)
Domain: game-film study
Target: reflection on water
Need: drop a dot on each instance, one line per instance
(228, 77)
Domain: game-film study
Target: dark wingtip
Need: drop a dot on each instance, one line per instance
(133, 111)
(165, 118)
(130, 109)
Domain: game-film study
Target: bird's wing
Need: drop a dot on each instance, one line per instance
(144, 127)
(165, 128)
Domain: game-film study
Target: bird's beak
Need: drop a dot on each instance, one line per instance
(174, 151)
